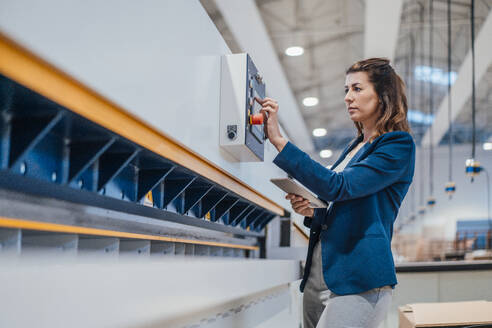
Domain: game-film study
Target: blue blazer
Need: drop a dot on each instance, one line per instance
(356, 232)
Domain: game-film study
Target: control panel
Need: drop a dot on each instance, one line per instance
(241, 123)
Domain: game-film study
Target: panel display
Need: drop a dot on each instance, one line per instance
(254, 138)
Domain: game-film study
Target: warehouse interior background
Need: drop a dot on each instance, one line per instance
(124, 202)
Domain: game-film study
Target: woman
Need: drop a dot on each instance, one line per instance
(350, 275)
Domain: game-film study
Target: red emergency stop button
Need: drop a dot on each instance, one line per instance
(256, 119)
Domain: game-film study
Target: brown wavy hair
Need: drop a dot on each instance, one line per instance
(390, 89)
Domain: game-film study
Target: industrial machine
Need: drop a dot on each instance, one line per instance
(111, 171)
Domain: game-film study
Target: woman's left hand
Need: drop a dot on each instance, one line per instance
(269, 110)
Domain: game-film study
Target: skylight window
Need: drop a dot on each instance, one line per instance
(433, 74)
(415, 116)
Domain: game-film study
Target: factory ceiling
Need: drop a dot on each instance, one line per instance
(333, 34)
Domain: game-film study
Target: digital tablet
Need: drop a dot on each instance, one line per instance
(292, 187)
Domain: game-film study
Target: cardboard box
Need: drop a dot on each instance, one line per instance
(456, 314)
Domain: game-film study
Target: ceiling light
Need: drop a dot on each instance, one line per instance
(294, 51)
(320, 132)
(325, 153)
(487, 146)
(310, 101)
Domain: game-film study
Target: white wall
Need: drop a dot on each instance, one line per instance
(469, 201)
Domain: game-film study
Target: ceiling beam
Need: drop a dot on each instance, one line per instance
(245, 22)
(381, 30)
(462, 89)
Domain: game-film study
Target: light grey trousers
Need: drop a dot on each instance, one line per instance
(324, 309)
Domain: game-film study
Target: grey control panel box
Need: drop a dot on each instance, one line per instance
(240, 84)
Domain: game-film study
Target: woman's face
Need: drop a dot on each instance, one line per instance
(360, 98)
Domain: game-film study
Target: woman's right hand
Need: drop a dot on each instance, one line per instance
(300, 205)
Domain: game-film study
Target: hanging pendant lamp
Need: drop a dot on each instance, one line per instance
(421, 209)
(431, 201)
(472, 166)
(411, 81)
(450, 187)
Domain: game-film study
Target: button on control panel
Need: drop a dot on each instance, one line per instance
(241, 122)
